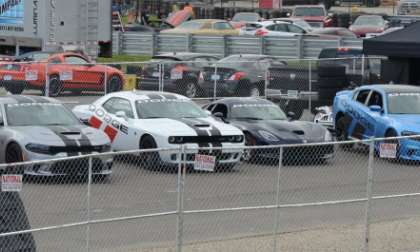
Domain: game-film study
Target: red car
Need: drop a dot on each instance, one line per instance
(368, 24)
(66, 72)
(315, 15)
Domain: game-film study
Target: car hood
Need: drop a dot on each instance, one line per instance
(62, 135)
(287, 131)
(187, 127)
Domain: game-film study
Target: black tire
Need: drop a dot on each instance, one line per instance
(134, 70)
(249, 155)
(55, 86)
(190, 89)
(332, 82)
(331, 71)
(14, 155)
(341, 132)
(114, 84)
(149, 160)
(247, 89)
(14, 88)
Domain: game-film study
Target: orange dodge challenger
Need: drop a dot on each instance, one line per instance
(65, 72)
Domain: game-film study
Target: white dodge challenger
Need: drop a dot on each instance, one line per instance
(150, 120)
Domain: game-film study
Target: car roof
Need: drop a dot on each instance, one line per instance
(26, 99)
(241, 100)
(394, 88)
(148, 95)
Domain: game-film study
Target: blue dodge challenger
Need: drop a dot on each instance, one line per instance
(380, 111)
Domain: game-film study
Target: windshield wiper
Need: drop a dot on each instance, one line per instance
(152, 117)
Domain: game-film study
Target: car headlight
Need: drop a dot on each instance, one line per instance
(175, 139)
(268, 136)
(239, 138)
(38, 148)
(328, 137)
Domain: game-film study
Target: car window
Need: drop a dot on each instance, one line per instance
(362, 96)
(247, 17)
(209, 107)
(191, 25)
(295, 29)
(113, 105)
(282, 28)
(55, 60)
(375, 99)
(271, 27)
(309, 11)
(222, 26)
(75, 60)
(221, 108)
(328, 54)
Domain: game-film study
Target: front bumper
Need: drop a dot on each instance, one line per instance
(101, 165)
(410, 149)
(299, 153)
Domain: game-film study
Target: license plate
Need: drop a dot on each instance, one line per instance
(156, 74)
(292, 93)
(7, 77)
(215, 77)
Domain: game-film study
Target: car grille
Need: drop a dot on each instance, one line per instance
(77, 166)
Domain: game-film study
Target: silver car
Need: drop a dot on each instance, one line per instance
(39, 128)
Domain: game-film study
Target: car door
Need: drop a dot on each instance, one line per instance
(375, 119)
(82, 71)
(121, 131)
(282, 30)
(360, 126)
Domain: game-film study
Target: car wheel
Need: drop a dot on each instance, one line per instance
(114, 84)
(14, 155)
(55, 86)
(254, 91)
(341, 132)
(14, 88)
(190, 90)
(249, 154)
(149, 159)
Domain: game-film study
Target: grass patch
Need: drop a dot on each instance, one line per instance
(124, 58)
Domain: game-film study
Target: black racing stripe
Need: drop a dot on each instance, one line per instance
(169, 96)
(154, 96)
(213, 132)
(200, 132)
(84, 140)
(22, 99)
(67, 141)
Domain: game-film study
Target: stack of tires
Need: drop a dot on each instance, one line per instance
(331, 79)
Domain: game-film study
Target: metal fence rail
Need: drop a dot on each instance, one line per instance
(132, 43)
(275, 199)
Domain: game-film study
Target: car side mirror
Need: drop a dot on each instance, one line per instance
(375, 108)
(121, 114)
(291, 115)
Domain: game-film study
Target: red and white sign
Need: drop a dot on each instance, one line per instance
(66, 75)
(388, 150)
(204, 163)
(11, 183)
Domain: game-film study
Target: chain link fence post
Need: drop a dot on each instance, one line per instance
(215, 83)
(266, 82)
(363, 69)
(180, 191)
(277, 213)
(47, 81)
(369, 195)
(162, 77)
(106, 81)
(88, 204)
(310, 87)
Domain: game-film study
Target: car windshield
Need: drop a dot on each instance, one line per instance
(246, 17)
(257, 111)
(369, 20)
(39, 114)
(309, 12)
(404, 103)
(166, 108)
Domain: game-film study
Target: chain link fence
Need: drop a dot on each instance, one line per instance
(346, 196)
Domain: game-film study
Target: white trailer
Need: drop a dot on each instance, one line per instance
(42, 24)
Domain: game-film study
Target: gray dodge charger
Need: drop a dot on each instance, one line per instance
(39, 128)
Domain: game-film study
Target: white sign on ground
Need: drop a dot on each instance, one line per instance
(11, 183)
(388, 150)
(204, 163)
